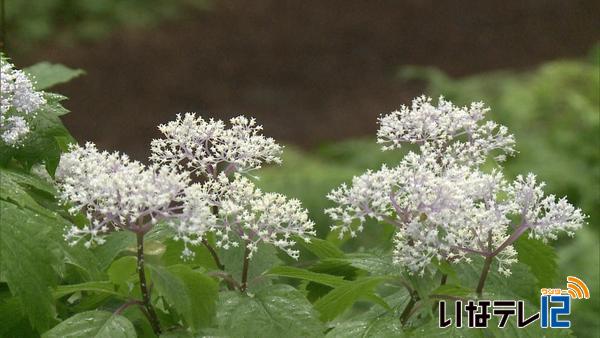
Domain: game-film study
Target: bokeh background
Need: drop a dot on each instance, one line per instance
(317, 74)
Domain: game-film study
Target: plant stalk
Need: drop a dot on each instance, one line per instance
(214, 255)
(408, 309)
(442, 282)
(152, 317)
(245, 269)
(484, 272)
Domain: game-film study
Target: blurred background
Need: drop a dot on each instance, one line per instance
(317, 74)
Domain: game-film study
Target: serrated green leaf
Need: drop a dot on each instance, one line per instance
(26, 265)
(122, 271)
(322, 248)
(97, 286)
(452, 290)
(264, 259)
(201, 258)
(541, 259)
(42, 144)
(521, 284)
(431, 329)
(15, 188)
(342, 297)
(381, 326)
(333, 267)
(321, 278)
(97, 324)
(46, 75)
(192, 294)
(277, 311)
(13, 322)
(116, 243)
(375, 264)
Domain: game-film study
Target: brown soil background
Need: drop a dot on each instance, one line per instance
(309, 71)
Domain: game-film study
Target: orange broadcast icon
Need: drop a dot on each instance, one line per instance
(576, 288)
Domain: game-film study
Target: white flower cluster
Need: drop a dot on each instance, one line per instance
(18, 101)
(453, 134)
(116, 193)
(246, 214)
(442, 205)
(208, 147)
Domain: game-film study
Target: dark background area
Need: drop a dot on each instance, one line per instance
(309, 71)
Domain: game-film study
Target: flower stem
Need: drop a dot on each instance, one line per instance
(152, 317)
(408, 309)
(245, 269)
(214, 255)
(442, 282)
(484, 272)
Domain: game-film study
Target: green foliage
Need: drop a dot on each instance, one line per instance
(541, 259)
(368, 326)
(26, 265)
(581, 258)
(192, 294)
(344, 296)
(32, 21)
(338, 288)
(277, 311)
(47, 74)
(97, 324)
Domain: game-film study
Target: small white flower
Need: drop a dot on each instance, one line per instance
(18, 101)
(208, 147)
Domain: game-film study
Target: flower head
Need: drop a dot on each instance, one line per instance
(207, 147)
(115, 192)
(18, 100)
(247, 216)
(454, 134)
(442, 204)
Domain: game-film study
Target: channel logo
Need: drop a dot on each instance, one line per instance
(555, 306)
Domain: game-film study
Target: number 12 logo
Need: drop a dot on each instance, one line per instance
(550, 313)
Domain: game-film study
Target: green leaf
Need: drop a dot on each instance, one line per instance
(26, 264)
(321, 278)
(16, 187)
(379, 326)
(116, 243)
(322, 248)
(201, 258)
(122, 272)
(277, 311)
(46, 75)
(97, 324)
(342, 297)
(98, 286)
(432, 329)
(519, 285)
(452, 290)
(541, 259)
(13, 322)
(262, 260)
(42, 143)
(192, 294)
(375, 264)
(376, 321)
